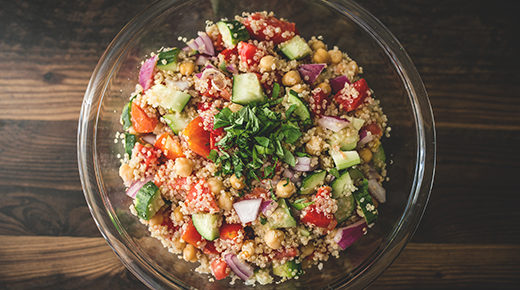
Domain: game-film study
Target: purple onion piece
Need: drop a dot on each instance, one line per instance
(147, 71)
(241, 269)
(332, 123)
(134, 188)
(310, 72)
(338, 83)
(348, 235)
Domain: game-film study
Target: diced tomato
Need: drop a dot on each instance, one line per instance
(318, 102)
(200, 199)
(203, 106)
(147, 154)
(374, 129)
(351, 101)
(219, 268)
(230, 231)
(218, 44)
(263, 27)
(209, 248)
(191, 236)
(228, 53)
(170, 148)
(167, 221)
(214, 137)
(197, 137)
(141, 122)
(249, 54)
(315, 214)
(286, 253)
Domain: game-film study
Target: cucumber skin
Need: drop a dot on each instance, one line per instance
(176, 122)
(339, 185)
(287, 222)
(288, 269)
(346, 206)
(238, 28)
(301, 109)
(206, 225)
(130, 140)
(148, 201)
(363, 199)
(305, 188)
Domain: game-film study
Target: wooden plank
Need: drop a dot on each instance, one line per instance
(24, 262)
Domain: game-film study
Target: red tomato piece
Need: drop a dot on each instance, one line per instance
(219, 268)
(351, 100)
(147, 154)
(318, 102)
(268, 28)
(191, 236)
(228, 53)
(170, 148)
(286, 253)
(209, 248)
(230, 231)
(141, 122)
(374, 129)
(215, 136)
(167, 221)
(316, 214)
(200, 198)
(197, 137)
(249, 54)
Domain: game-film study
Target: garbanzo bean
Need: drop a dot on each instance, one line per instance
(225, 200)
(335, 56)
(274, 238)
(285, 189)
(177, 214)
(237, 183)
(291, 78)
(352, 67)
(321, 56)
(183, 166)
(126, 172)
(215, 185)
(267, 63)
(190, 253)
(317, 45)
(187, 68)
(325, 87)
(365, 154)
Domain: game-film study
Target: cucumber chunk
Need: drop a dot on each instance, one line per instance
(281, 217)
(312, 181)
(177, 121)
(356, 175)
(207, 225)
(301, 109)
(346, 139)
(169, 97)
(247, 89)
(342, 186)
(346, 205)
(167, 60)
(364, 201)
(295, 48)
(232, 32)
(130, 140)
(345, 159)
(288, 269)
(379, 158)
(148, 201)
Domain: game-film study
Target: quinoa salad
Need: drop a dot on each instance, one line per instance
(252, 151)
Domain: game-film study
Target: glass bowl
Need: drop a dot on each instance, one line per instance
(388, 70)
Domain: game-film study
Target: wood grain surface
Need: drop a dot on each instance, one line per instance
(466, 52)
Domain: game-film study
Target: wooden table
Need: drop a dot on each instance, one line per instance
(466, 52)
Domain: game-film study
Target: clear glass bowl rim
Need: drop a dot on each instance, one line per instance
(424, 170)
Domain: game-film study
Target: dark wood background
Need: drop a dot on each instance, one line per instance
(466, 52)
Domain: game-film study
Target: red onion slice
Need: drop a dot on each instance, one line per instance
(247, 210)
(377, 190)
(332, 123)
(134, 188)
(150, 138)
(303, 164)
(147, 71)
(208, 43)
(310, 72)
(243, 270)
(268, 207)
(365, 136)
(348, 235)
(338, 83)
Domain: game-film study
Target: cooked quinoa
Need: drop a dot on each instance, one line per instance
(252, 151)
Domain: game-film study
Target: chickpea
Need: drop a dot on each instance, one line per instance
(235, 107)
(321, 56)
(215, 185)
(187, 68)
(274, 238)
(177, 214)
(285, 189)
(178, 244)
(325, 87)
(237, 183)
(267, 63)
(317, 45)
(335, 56)
(365, 154)
(156, 219)
(248, 249)
(183, 166)
(313, 146)
(291, 78)
(126, 172)
(352, 67)
(225, 201)
(307, 250)
(190, 253)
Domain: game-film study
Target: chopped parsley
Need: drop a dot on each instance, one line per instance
(256, 139)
